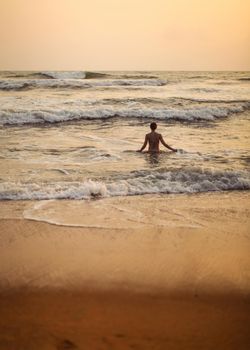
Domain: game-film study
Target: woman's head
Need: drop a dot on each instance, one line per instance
(153, 126)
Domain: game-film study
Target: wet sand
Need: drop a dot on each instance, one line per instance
(144, 272)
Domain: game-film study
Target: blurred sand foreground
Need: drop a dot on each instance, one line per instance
(143, 272)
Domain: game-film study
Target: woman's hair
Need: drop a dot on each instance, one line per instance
(153, 126)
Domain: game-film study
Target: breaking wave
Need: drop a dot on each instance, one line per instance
(24, 84)
(73, 75)
(137, 183)
(20, 116)
(76, 75)
(64, 74)
(200, 89)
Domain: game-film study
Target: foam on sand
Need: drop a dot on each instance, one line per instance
(194, 243)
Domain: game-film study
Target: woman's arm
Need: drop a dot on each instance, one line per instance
(164, 144)
(145, 144)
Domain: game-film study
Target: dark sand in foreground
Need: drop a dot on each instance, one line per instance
(152, 273)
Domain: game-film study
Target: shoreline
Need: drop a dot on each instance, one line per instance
(163, 242)
(156, 272)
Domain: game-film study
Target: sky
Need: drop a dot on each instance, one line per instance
(125, 35)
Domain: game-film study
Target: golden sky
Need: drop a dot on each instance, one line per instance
(125, 34)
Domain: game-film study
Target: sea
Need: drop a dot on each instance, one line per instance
(74, 134)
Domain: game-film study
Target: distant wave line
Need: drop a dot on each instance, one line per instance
(24, 84)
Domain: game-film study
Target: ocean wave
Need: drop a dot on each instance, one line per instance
(24, 84)
(76, 75)
(212, 100)
(204, 76)
(20, 116)
(244, 79)
(16, 85)
(54, 75)
(137, 76)
(202, 89)
(73, 75)
(30, 102)
(171, 101)
(94, 75)
(136, 183)
(64, 74)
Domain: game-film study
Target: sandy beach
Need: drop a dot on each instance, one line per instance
(139, 272)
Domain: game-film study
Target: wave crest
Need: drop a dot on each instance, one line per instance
(49, 115)
(20, 84)
(64, 74)
(136, 183)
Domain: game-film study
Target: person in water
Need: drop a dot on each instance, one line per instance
(153, 139)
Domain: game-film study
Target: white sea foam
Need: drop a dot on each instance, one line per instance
(65, 74)
(59, 190)
(137, 183)
(62, 171)
(202, 89)
(20, 116)
(18, 84)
